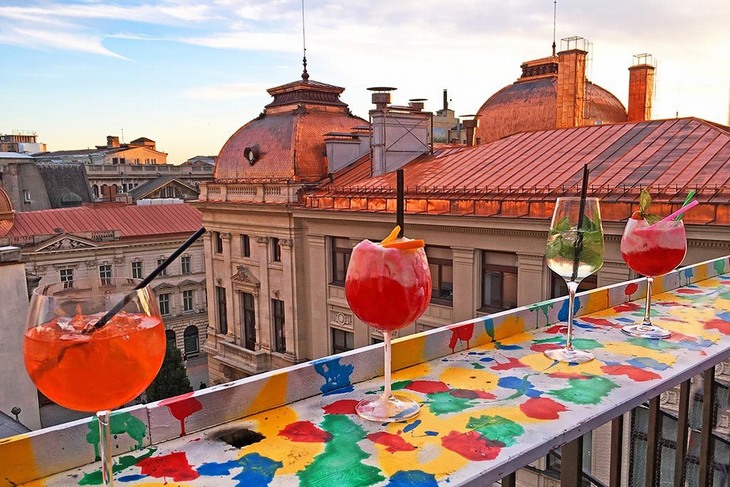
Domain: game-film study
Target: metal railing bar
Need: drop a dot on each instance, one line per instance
(708, 405)
(571, 462)
(680, 471)
(654, 434)
(510, 480)
(586, 475)
(617, 441)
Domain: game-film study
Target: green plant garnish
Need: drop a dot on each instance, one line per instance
(644, 202)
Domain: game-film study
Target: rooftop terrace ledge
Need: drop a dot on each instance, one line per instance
(491, 401)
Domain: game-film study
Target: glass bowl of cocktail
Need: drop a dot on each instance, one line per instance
(90, 369)
(652, 248)
(388, 286)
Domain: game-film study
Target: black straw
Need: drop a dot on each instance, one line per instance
(400, 203)
(579, 239)
(121, 304)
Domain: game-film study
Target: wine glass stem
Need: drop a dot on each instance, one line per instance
(647, 308)
(572, 288)
(105, 445)
(386, 343)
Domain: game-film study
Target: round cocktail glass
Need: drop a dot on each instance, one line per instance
(387, 288)
(574, 252)
(652, 250)
(87, 369)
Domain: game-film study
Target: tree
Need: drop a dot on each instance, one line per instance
(172, 380)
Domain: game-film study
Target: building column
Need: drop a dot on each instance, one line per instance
(464, 304)
(228, 284)
(210, 288)
(318, 327)
(531, 282)
(287, 294)
(263, 311)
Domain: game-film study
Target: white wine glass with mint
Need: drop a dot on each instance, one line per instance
(574, 251)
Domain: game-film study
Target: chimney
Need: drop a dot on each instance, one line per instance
(571, 82)
(641, 87)
(399, 133)
(112, 141)
(470, 126)
(446, 101)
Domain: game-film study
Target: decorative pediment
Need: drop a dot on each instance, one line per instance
(165, 286)
(245, 277)
(65, 242)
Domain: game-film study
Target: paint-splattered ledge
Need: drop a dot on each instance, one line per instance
(491, 402)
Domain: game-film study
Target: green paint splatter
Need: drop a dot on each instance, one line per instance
(653, 344)
(399, 384)
(126, 461)
(496, 428)
(585, 391)
(719, 266)
(120, 423)
(341, 461)
(444, 403)
(477, 366)
(542, 307)
(556, 339)
(586, 344)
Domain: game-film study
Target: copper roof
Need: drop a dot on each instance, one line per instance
(531, 104)
(288, 136)
(131, 221)
(530, 169)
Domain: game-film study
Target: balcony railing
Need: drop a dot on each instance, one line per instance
(492, 403)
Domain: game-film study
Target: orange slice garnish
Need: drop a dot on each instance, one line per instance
(405, 244)
(390, 238)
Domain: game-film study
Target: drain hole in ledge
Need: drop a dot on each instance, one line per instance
(239, 438)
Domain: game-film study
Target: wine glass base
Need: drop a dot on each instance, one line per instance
(569, 355)
(646, 331)
(390, 410)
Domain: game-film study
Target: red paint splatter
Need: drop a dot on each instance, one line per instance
(393, 443)
(472, 394)
(181, 407)
(471, 445)
(630, 289)
(688, 291)
(627, 307)
(600, 322)
(542, 408)
(173, 465)
(681, 337)
(343, 406)
(541, 347)
(512, 363)
(305, 432)
(567, 375)
(461, 333)
(633, 373)
(720, 325)
(555, 329)
(427, 386)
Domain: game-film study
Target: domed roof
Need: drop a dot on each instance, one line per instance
(7, 214)
(69, 199)
(530, 103)
(286, 142)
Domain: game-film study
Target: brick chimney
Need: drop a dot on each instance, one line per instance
(571, 82)
(470, 126)
(112, 141)
(641, 87)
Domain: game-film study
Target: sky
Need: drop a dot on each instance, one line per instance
(188, 74)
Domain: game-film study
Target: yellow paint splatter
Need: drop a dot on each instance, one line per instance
(540, 362)
(630, 350)
(18, 463)
(510, 325)
(272, 394)
(472, 379)
(408, 351)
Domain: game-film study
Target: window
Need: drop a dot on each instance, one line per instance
(245, 246)
(136, 270)
(170, 337)
(159, 263)
(277, 311)
(499, 281)
(275, 250)
(164, 301)
(221, 312)
(217, 243)
(185, 264)
(67, 277)
(558, 288)
(187, 300)
(375, 340)
(190, 341)
(105, 274)
(342, 340)
(440, 262)
(248, 312)
(341, 252)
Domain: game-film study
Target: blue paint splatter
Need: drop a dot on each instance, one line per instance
(563, 311)
(489, 327)
(499, 346)
(521, 386)
(412, 426)
(131, 478)
(626, 320)
(724, 315)
(688, 274)
(412, 478)
(217, 469)
(648, 363)
(431, 433)
(476, 353)
(336, 376)
(258, 471)
(486, 359)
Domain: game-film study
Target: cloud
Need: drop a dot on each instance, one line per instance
(227, 91)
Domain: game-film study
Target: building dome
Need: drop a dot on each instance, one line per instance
(7, 214)
(286, 142)
(69, 199)
(531, 103)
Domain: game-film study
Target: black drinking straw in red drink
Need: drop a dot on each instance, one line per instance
(400, 203)
(579, 239)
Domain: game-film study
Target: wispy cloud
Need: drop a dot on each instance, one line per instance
(226, 91)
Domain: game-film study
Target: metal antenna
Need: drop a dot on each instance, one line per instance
(555, 16)
(305, 75)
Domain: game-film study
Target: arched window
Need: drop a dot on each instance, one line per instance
(192, 344)
(95, 189)
(170, 336)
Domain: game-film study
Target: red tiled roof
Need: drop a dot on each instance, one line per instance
(131, 221)
(670, 156)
